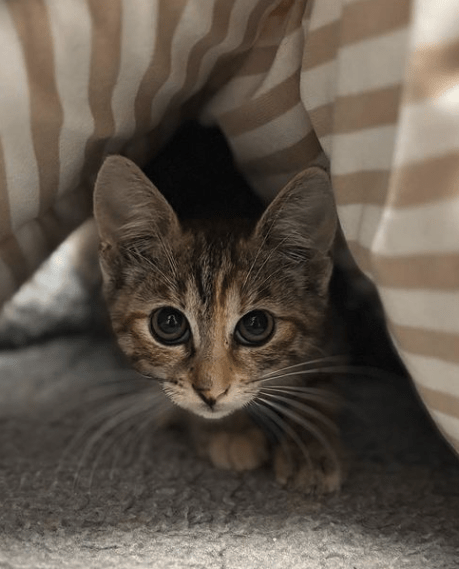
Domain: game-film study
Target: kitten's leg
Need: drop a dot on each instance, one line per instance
(308, 465)
(234, 443)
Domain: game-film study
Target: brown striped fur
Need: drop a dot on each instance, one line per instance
(215, 272)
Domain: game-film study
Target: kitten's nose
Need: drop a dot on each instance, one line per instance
(208, 399)
(208, 396)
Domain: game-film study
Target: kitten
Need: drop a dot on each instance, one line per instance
(231, 316)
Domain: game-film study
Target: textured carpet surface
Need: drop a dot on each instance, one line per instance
(163, 507)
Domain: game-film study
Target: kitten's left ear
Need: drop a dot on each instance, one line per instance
(303, 215)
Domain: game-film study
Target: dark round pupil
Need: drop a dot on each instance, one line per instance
(170, 321)
(255, 323)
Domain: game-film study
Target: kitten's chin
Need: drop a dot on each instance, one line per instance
(206, 412)
(210, 414)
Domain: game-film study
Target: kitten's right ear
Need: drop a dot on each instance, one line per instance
(302, 217)
(128, 208)
(301, 222)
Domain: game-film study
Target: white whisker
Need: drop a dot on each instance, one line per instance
(106, 427)
(122, 428)
(108, 419)
(325, 359)
(271, 427)
(285, 428)
(312, 412)
(365, 371)
(308, 426)
(137, 434)
(268, 258)
(144, 259)
(312, 394)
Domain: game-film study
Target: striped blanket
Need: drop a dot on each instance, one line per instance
(371, 83)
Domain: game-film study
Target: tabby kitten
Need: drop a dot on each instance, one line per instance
(230, 317)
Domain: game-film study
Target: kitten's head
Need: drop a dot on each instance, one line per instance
(212, 309)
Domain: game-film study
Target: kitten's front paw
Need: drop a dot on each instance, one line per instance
(238, 451)
(317, 472)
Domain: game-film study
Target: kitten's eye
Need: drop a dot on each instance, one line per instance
(169, 326)
(255, 328)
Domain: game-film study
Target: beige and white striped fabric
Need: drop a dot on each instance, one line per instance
(373, 83)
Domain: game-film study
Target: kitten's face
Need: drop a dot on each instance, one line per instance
(211, 312)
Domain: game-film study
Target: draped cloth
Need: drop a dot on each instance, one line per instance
(373, 84)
